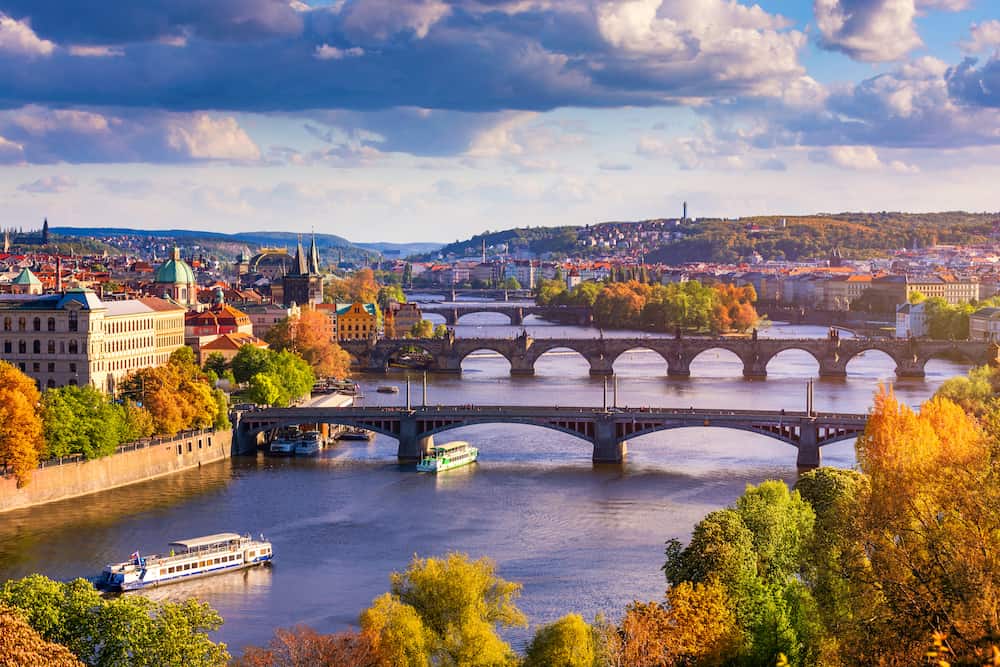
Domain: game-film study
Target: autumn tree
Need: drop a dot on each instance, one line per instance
(22, 443)
(452, 607)
(20, 645)
(313, 342)
(177, 394)
(302, 646)
(568, 642)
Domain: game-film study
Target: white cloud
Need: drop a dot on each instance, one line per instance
(983, 38)
(96, 51)
(859, 158)
(48, 185)
(945, 5)
(18, 38)
(383, 19)
(204, 137)
(327, 52)
(868, 30)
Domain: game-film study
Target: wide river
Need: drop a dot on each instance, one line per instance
(578, 537)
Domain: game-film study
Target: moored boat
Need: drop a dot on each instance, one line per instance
(387, 389)
(188, 559)
(284, 442)
(310, 443)
(356, 434)
(447, 456)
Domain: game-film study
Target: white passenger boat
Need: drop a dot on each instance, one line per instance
(188, 559)
(284, 442)
(310, 443)
(447, 456)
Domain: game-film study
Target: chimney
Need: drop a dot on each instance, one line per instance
(59, 287)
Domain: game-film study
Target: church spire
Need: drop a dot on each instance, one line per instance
(301, 263)
(313, 255)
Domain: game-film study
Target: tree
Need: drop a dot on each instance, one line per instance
(302, 646)
(440, 331)
(569, 642)
(511, 283)
(22, 443)
(389, 293)
(216, 363)
(459, 602)
(20, 645)
(81, 420)
(249, 361)
(129, 630)
(312, 342)
(177, 394)
(422, 329)
(408, 275)
(400, 636)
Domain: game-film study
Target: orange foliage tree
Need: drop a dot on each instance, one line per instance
(302, 646)
(312, 341)
(21, 645)
(177, 394)
(22, 443)
(930, 525)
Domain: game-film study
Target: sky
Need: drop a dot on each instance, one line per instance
(433, 120)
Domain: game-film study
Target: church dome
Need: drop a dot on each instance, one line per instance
(175, 271)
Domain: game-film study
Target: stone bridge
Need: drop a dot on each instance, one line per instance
(607, 430)
(579, 315)
(832, 354)
(453, 293)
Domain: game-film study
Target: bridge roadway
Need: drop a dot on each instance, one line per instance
(608, 430)
(579, 315)
(832, 354)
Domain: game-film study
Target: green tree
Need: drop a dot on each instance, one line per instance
(249, 361)
(265, 389)
(389, 293)
(441, 331)
(422, 329)
(81, 420)
(511, 283)
(568, 642)
(217, 364)
(121, 632)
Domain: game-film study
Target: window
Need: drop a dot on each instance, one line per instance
(21, 325)
(36, 367)
(6, 324)
(36, 347)
(22, 347)
(21, 366)
(180, 450)
(52, 324)
(52, 367)
(74, 347)
(51, 347)
(72, 367)
(72, 381)
(51, 384)
(74, 320)
(36, 324)
(189, 446)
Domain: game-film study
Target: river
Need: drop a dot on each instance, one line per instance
(578, 537)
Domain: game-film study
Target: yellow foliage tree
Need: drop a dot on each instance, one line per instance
(20, 645)
(313, 343)
(21, 432)
(930, 525)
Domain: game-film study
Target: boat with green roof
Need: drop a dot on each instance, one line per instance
(447, 456)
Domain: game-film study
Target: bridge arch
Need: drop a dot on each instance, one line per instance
(886, 363)
(475, 360)
(571, 362)
(788, 434)
(717, 361)
(505, 317)
(627, 362)
(798, 359)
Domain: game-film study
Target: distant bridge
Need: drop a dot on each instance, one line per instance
(453, 293)
(581, 315)
(832, 354)
(607, 430)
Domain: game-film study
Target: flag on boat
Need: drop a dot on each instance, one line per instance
(134, 556)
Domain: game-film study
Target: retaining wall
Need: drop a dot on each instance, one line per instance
(133, 463)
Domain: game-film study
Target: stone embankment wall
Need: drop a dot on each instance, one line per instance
(133, 463)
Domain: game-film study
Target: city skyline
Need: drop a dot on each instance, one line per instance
(435, 120)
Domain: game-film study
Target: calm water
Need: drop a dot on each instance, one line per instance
(579, 537)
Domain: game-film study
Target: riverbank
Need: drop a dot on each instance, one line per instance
(133, 463)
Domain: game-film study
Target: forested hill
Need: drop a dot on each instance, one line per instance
(857, 235)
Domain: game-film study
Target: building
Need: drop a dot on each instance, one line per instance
(404, 316)
(228, 345)
(203, 329)
(303, 284)
(525, 272)
(175, 280)
(356, 321)
(264, 316)
(984, 324)
(74, 338)
(26, 283)
(911, 320)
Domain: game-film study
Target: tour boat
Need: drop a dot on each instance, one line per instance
(388, 389)
(284, 442)
(356, 434)
(310, 443)
(447, 456)
(188, 559)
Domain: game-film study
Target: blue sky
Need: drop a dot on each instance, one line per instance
(431, 120)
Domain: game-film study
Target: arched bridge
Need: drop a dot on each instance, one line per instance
(607, 430)
(580, 315)
(832, 354)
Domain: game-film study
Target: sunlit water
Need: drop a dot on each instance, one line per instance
(579, 537)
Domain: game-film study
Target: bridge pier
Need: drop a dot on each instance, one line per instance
(679, 367)
(447, 364)
(809, 455)
(245, 443)
(601, 365)
(516, 317)
(607, 447)
(832, 368)
(522, 366)
(754, 368)
(411, 446)
(909, 369)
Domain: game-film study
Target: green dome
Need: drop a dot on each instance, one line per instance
(175, 271)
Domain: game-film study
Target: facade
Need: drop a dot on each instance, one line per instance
(524, 271)
(74, 338)
(404, 316)
(356, 321)
(984, 324)
(175, 280)
(911, 320)
(264, 316)
(203, 331)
